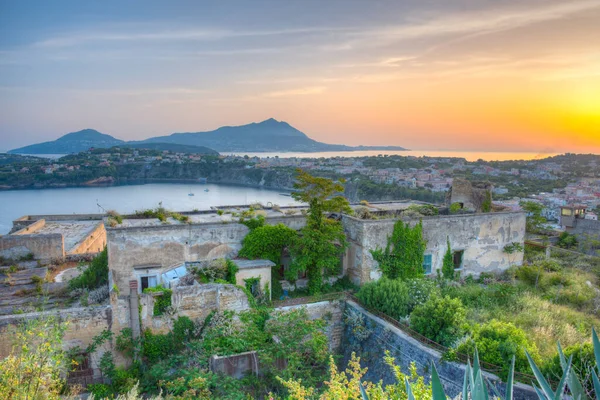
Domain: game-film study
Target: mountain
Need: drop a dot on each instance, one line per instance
(172, 147)
(268, 135)
(74, 142)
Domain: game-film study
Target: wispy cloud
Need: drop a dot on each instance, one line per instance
(81, 38)
(296, 92)
(490, 20)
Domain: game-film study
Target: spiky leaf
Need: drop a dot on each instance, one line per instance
(437, 390)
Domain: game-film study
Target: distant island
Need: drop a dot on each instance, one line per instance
(266, 136)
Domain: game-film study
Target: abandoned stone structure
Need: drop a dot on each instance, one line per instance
(146, 252)
(54, 237)
(469, 195)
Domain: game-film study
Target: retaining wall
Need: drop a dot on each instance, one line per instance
(405, 349)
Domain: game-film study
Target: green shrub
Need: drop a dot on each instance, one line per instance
(252, 223)
(529, 274)
(161, 303)
(419, 291)
(390, 296)
(497, 342)
(267, 242)
(99, 390)
(455, 208)
(232, 270)
(95, 275)
(155, 347)
(448, 262)
(439, 319)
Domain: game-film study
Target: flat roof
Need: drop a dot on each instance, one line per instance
(231, 214)
(73, 231)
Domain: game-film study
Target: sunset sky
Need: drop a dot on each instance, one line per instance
(496, 75)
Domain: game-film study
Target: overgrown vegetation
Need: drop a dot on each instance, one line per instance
(161, 302)
(95, 275)
(267, 242)
(404, 253)
(162, 214)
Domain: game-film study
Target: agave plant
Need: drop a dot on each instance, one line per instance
(475, 387)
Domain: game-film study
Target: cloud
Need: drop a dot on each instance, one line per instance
(173, 35)
(296, 92)
(491, 20)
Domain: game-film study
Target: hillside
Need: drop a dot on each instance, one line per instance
(268, 135)
(172, 147)
(74, 142)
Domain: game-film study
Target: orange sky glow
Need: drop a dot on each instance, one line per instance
(445, 75)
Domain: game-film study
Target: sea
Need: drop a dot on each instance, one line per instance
(129, 198)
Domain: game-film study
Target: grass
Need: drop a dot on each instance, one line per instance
(551, 301)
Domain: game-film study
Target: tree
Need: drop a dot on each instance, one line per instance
(322, 241)
(534, 215)
(448, 263)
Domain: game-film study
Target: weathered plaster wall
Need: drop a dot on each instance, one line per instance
(44, 247)
(263, 273)
(481, 236)
(93, 243)
(167, 245)
(384, 336)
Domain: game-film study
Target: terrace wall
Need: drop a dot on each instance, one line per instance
(405, 349)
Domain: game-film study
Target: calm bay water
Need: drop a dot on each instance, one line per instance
(468, 155)
(126, 199)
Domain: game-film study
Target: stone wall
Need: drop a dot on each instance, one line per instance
(384, 336)
(93, 243)
(31, 227)
(332, 313)
(194, 302)
(482, 237)
(585, 227)
(83, 325)
(44, 247)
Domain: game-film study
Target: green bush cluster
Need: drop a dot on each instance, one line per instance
(95, 275)
(267, 242)
(497, 343)
(440, 319)
(390, 296)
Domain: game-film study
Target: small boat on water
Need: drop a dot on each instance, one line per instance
(190, 193)
(206, 190)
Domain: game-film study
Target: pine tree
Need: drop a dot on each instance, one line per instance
(448, 264)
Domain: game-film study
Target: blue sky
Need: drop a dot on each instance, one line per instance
(422, 74)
